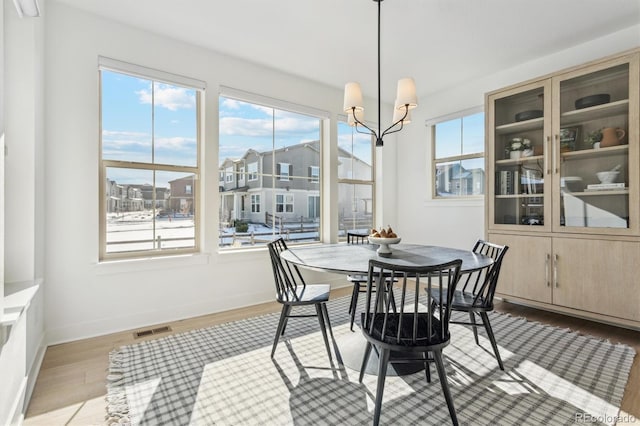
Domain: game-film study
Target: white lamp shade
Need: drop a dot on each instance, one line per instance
(352, 97)
(407, 93)
(359, 116)
(27, 8)
(398, 113)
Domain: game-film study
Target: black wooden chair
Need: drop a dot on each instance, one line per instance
(291, 291)
(476, 292)
(358, 280)
(414, 328)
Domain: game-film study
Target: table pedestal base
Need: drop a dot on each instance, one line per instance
(352, 346)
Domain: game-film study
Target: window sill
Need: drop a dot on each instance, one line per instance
(151, 263)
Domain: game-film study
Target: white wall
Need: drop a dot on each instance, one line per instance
(459, 223)
(84, 298)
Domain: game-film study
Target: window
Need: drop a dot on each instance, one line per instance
(284, 203)
(149, 161)
(284, 171)
(458, 156)
(255, 203)
(253, 171)
(314, 206)
(228, 172)
(314, 174)
(355, 181)
(278, 144)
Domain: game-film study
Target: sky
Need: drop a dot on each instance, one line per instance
(145, 121)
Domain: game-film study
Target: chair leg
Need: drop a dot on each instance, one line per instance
(472, 317)
(354, 303)
(427, 368)
(281, 323)
(492, 339)
(365, 361)
(323, 327)
(326, 318)
(442, 374)
(382, 374)
(286, 319)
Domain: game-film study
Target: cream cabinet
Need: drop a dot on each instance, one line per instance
(563, 188)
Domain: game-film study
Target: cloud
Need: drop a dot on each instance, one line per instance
(177, 143)
(169, 97)
(237, 126)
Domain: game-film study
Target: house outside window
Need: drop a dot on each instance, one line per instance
(148, 164)
(458, 155)
(255, 203)
(278, 143)
(229, 174)
(356, 185)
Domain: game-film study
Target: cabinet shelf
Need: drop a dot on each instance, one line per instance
(599, 193)
(520, 126)
(520, 195)
(521, 160)
(595, 112)
(594, 153)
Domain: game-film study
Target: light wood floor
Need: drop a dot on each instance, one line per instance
(70, 388)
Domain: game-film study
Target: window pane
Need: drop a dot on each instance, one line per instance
(175, 125)
(472, 177)
(460, 178)
(355, 152)
(275, 158)
(355, 208)
(143, 215)
(473, 133)
(126, 118)
(448, 138)
(147, 129)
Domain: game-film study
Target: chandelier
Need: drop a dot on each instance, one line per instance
(406, 100)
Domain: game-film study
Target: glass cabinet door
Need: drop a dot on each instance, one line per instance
(591, 152)
(518, 150)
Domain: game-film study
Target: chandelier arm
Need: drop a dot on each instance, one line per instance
(372, 132)
(368, 132)
(401, 122)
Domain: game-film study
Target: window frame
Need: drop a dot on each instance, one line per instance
(252, 175)
(431, 124)
(154, 76)
(352, 181)
(256, 203)
(284, 203)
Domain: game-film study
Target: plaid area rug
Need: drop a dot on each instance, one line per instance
(224, 375)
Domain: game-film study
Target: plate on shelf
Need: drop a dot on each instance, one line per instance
(593, 100)
(529, 115)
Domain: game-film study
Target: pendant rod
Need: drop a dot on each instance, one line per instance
(379, 135)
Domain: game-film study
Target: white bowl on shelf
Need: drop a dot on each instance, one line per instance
(607, 177)
(384, 249)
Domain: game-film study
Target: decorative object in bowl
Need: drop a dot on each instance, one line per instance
(384, 250)
(607, 177)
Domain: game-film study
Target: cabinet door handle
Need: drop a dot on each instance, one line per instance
(546, 155)
(555, 158)
(546, 269)
(555, 271)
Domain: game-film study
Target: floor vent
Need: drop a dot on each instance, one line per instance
(151, 331)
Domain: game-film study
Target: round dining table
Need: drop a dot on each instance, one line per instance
(354, 259)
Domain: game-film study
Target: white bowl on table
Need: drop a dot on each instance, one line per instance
(384, 249)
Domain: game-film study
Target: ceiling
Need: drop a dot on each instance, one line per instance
(440, 43)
